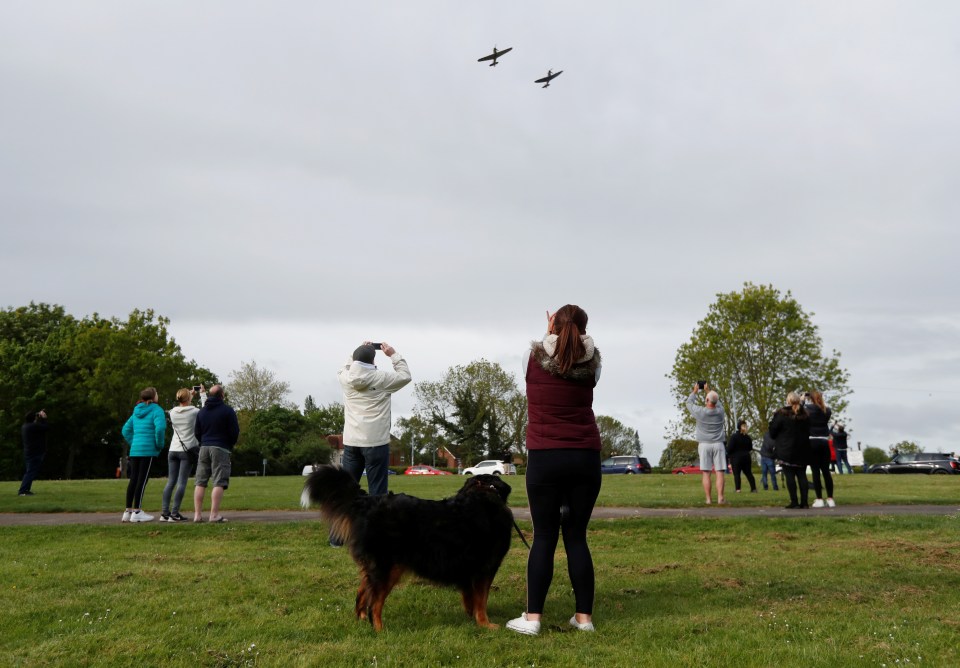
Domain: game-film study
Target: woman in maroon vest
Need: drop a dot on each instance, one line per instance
(563, 462)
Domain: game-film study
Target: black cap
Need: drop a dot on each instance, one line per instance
(365, 353)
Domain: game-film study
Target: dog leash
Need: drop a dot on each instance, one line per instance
(520, 533)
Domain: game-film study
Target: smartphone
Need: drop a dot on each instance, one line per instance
(377, 346)
(196, 388)
(701, 384)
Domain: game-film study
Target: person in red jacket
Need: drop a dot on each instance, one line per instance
(563, 462)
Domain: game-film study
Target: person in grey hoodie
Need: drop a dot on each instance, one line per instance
(711, 437)
(183, 418)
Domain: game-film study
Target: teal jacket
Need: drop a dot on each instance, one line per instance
(145, 429)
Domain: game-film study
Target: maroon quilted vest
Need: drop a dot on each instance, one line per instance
(560, 409)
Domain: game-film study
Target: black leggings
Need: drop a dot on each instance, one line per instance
(555, 478)
(742, 463)
(793, 474)
(139, 470)
(820, 449)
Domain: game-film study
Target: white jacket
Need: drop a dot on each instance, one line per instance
(184, 420)
(366, 400)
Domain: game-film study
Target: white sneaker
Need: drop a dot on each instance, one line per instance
(831, 503)
(126, 516)
(585, 626)
(818, 503)
(522, 625)
(140, 516)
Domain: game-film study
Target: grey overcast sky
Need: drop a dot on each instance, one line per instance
(284, 180)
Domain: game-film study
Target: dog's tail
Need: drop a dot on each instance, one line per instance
(334, 490)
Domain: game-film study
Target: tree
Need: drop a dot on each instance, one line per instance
(753, 347)
(325, 420)
(904, 448)
(420, 437)
(679, 452)
(873, 456)
(254, 388)
(617, 439)
(309, 405)
(476, 410)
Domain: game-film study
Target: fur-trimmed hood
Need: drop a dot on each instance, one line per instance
(584, 369)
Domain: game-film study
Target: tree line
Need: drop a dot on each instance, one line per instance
(753, 346)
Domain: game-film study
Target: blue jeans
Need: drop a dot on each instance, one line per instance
(841, 460)
(33, 470)
(375, 459)
(178, 470)
(767, 464)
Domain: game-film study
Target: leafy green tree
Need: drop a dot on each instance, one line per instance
(327, 419)
(270, 435)
(254, 388)
(753, 347)
(905, 448)
(475, 410)
(873, 456)
(309, 405)
(617, 438)
(421, 437)
(679, 452)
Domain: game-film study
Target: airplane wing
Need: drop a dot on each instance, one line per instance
(543, 80)
(494, 56)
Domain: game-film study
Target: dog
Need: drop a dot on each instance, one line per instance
(459, 541)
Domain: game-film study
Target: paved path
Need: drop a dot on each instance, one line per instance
(55, 519)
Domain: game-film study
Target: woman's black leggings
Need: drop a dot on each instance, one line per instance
(561, 478)
(820, 456)
(793, 475)
(139, 470)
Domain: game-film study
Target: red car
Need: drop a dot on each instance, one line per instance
(423, 469)
(695, 469)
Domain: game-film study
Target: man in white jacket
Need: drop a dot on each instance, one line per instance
(367, 393)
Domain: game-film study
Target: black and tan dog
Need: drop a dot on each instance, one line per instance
(459, 541)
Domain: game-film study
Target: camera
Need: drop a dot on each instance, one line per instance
(701, 384)
(196, 388)
(377, 346)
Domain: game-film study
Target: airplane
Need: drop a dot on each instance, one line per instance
(493, 56)
(550, 76)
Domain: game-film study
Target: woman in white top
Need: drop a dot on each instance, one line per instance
(184, 419)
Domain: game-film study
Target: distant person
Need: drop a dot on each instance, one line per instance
(790, 431)
(34, 435)
(767, 463)
(711, 438)
(740, 451)
(217, 430)
(563, 463)
(144, 431)
(183, 418)
(367, 417)
(840, 435)
(820, 447)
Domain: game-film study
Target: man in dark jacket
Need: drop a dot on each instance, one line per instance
(767, 465)
(34, 433)
(217, 430)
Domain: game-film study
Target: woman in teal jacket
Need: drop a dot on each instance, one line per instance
(144, 432)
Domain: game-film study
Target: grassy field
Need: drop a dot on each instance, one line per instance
(648, 491)
(818, 591)
(810, 591)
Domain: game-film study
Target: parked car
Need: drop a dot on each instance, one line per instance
(492, 467)
(423, 469)
(683, 470)
(918, 462)
(628, 464)
(308, 469)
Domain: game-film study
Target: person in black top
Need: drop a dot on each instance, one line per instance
(790, 431)
(767, 465)
(740, 453)
(820, 447)
(34, 433)
(840, 445)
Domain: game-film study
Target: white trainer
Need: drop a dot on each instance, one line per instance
(140, 516)
(126, 516)
(831, 503)
(522, 625)
(585, 626)
(818, 503)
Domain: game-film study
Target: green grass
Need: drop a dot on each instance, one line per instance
(649, 491)
(817, 591)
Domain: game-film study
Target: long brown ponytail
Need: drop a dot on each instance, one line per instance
(569, 324)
